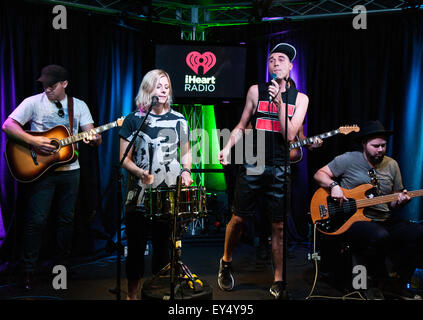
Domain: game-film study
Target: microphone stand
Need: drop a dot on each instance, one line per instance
(285, 186)
(175, 246)
(119, 236)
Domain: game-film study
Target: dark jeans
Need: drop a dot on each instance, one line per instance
(62, 188)
(137, 231)
(401, 241)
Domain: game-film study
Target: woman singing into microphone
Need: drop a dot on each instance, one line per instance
(152, 162)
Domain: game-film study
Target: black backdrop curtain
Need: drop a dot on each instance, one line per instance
(350, 76)
(357, 75)
(105, 57)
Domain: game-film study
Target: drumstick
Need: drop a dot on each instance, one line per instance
(150, 177)
(150, 154)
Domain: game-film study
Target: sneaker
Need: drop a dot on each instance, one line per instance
(225, 279)
(409, 295)
(404, 294)
(278, 291)
(394, 288)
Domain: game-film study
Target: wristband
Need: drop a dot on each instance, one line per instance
(187, 170)
(333, 184)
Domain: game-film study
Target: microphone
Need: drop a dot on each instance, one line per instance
(154, 100)
(273, 76)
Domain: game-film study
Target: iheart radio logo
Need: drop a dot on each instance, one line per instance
(206, 60)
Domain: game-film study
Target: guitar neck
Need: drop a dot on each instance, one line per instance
(77, 137)
(311, 140)
(362, 203)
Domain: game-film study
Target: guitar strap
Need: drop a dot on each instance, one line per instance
(70, 113)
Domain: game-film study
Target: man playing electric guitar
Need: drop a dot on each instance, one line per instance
(45, 111)
(295, 155)
(385, 234)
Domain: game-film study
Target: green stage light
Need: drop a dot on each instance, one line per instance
(204, 145)
(213, 180)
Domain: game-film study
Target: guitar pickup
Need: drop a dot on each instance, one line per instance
(323, 211)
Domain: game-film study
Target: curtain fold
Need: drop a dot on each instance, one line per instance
(410, 142)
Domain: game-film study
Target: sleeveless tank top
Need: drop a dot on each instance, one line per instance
(266, 121)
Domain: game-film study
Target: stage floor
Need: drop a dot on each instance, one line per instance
(94, 278)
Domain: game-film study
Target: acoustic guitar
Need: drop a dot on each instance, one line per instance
(333, 219)
(295, 151)
(26, 164)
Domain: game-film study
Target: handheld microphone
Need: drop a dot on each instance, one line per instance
(273, 76)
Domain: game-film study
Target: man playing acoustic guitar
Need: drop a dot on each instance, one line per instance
(384, 234)
(45, 111)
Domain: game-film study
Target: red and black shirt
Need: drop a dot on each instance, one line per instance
(266, 119)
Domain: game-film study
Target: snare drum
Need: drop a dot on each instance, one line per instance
(162, 201)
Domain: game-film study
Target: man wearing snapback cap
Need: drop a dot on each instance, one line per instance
(387, 234)
(43, 112)
(265, 110)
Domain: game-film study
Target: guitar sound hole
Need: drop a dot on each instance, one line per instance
(56, 144)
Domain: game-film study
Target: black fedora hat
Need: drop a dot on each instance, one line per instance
(372, 128)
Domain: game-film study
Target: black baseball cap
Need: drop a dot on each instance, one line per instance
(286, 48)
(52, 74)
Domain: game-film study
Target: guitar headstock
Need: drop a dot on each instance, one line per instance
(119, 121)
(349, 129)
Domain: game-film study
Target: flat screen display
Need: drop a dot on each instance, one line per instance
(203, 71)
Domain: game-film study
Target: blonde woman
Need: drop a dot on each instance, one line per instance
(153, 161)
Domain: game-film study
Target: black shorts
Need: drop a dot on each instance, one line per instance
(269, 186)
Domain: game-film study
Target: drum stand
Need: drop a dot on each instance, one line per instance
(179, 272)
(176, 267)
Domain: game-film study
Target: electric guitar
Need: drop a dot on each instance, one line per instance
(26, 164)
(330, 218)
(295, 151)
